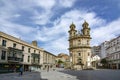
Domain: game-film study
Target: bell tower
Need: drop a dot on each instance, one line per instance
(86, 29)
(72, 31)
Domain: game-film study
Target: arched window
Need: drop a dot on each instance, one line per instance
(88, 54)
(87, 32)
(87, 42)
(79, 42)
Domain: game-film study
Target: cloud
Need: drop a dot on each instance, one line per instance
(52, 38)
(106, 32)
(78, 17)
(46, 4)
(17, 30)
(41, 18)
(40, 12)
(67, 3)
(56, 37)
(57, 46)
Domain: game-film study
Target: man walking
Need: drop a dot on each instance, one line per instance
(21, 70)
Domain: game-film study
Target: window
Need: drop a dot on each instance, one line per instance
(33, 59)
(38, 60)
(88, 54)
(119, 55)
(34, 51)
(79, 42)
(79, 54)
(117, 41)
(28, 50)
(22, 57)
(28, 58)
(3, 55)
(23, 48)
(14, 45)
(87, 32)
(74, 33)
(4, 43)
(87, 42)
(14, 54)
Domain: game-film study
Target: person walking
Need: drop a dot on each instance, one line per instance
(15, 70)
(21, 70)
(48, 69)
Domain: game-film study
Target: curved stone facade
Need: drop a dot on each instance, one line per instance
(79, 46)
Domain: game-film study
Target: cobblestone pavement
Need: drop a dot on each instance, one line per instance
(56, 75)
(60, 74)
(25, 76)
(40, 75)
(105, 74)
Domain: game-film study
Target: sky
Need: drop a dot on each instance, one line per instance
(48, 21)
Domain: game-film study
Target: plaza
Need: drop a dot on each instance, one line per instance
(59, 40)
(61, 74)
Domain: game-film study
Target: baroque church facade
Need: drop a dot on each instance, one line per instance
(79, 46)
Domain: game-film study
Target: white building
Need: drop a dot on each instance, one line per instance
(113, 53)
(96, 50)
(103, 53)
(95, 61)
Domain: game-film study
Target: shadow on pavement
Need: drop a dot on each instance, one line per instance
(94, 74)
(80, 74)
(73, 73)
(25, 76)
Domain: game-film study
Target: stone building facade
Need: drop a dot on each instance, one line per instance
(65, 58)
(15, 53)
(79, 46)
(48, 60)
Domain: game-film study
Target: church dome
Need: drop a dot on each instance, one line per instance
(85, 24)
(72, 26)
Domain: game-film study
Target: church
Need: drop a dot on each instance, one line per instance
(79, 46)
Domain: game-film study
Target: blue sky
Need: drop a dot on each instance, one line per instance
(48, 21)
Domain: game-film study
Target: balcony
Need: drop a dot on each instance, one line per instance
(35, 62)
(83, 46)
(15, 59)
(35, 58)
(35, 55)
(15, 55)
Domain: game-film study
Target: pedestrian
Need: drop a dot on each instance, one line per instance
(14, 69)
(21, 70)
(30, 69)
(48, 69)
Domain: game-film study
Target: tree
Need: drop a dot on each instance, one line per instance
(104, 62)
(60, 63)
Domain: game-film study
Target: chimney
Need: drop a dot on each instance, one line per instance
(34, 43)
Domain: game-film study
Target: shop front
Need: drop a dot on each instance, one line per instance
(9, 67)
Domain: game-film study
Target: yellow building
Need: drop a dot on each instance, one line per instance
(15, 53)
(79, 46)
(64, 58)
(48, 60)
